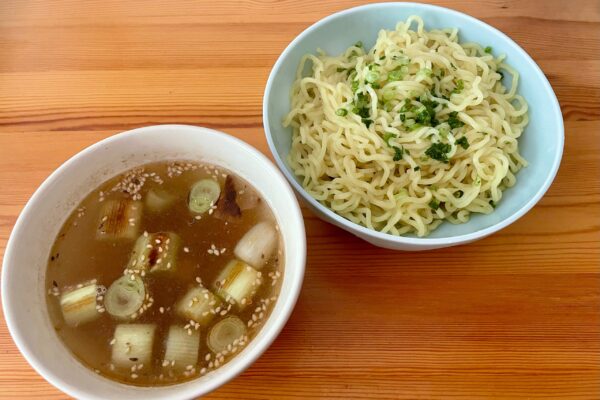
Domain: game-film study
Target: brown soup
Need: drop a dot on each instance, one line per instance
(164, 273)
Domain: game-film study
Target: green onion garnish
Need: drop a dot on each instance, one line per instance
(463, 142)
(439, 151)
(434, 204)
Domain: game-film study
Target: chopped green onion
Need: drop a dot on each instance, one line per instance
(417, 168)
(492, 203)
(402, 59)
(426, 113)
(463, 142)
(460, 85)
(339, 69)
(397, 74)
(439, 151)
(488, 49)
(458, 194)
(389, 94)
(453, 120)
(443, 131)
(434, 204)
(407, 107)
(342, 112)
(424, 73)
(387, 136)
(358, 44)
(397, 153)
(355, 86)
(414, 127)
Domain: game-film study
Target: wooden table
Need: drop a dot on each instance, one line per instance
(516, 315)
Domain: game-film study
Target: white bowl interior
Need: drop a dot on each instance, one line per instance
(541, 144)
(23, 291)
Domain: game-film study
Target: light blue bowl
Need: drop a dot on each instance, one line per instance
(541, 143)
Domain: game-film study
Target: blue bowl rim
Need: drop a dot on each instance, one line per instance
(446, 241)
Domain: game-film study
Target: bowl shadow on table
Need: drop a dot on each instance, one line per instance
(384, 319)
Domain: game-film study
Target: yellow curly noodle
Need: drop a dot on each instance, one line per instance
(415, 131)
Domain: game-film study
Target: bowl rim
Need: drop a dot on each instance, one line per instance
(415, 241)
(193, 387)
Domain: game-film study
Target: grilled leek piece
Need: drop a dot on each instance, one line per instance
(119, 219)
(181, 348)
(132, 345)
(155, 252)
(224, 333)
(257, 245)
(79, 305)
(238, 283)
(198, 304)
(125, 297)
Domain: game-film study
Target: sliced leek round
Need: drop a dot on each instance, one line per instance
(224, 333)
(125, 297)
(198, 304)
(181, 347)
(237, 282)
(119, 219)
(155, 252)
(257, 245)
(132, 344)
(203, 195)
(79, 305)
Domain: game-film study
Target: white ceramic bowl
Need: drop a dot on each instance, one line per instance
(25, 259)
(541, 143)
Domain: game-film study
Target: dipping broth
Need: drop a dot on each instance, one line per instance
(164, 273)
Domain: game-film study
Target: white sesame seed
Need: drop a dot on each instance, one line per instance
(186, 249)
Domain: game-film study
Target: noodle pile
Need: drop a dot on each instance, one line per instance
(415, 131)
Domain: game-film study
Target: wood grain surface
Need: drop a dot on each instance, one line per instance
(516, 315)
